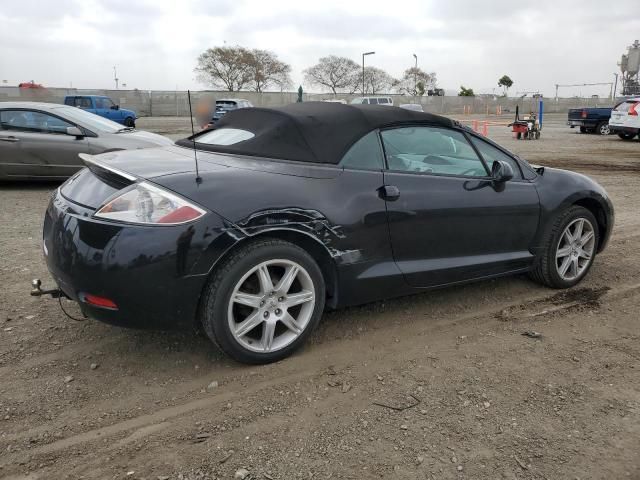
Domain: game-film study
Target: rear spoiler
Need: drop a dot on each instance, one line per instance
(92, 163)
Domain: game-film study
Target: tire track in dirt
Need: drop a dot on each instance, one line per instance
(152, 423)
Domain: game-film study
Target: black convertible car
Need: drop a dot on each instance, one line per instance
(310, 205)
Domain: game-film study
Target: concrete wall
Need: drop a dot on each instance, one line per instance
(174, 103)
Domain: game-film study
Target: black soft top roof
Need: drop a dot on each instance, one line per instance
(319, 132)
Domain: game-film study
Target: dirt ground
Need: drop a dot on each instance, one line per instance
(439, 385)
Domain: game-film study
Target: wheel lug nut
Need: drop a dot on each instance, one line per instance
(281, 299)
(278, 311)
(265, 314)
(262, 303)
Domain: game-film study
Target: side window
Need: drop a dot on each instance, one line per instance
(70, 101)
(105, 103)
(383, 100)
(373, 101)
(491, 154)
(365, 154)
(432, 150)
(83, 102)
(30, 121)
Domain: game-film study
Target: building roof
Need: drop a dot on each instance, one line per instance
(319, 132)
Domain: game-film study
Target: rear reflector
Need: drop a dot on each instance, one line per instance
(180, 215)
(101, 302)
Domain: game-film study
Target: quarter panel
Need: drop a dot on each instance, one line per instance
(341, 209)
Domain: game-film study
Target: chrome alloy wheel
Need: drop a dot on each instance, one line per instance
(271, 305)
(575, 249)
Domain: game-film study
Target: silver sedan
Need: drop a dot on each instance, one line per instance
(43, 140)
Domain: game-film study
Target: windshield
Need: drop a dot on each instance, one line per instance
(93, 122)
(226, 103)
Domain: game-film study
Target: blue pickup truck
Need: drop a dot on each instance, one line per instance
(103, 106)
(590, 120)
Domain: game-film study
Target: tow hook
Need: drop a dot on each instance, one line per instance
(36, 291)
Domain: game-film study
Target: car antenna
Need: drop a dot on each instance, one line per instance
(193, 134)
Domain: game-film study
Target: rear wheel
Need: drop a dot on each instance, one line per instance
(626, 136)
(583, 129)
(603, 128)
(264, 301)
(129, 122)
(569, 249)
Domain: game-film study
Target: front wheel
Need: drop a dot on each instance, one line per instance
(603, 128)
(129, 122)
(569, 249)
(264, 301)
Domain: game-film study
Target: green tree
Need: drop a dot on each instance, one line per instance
(505, 82)
(466, 92)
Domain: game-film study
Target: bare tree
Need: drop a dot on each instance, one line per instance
(226, 67)
(416, 82)
(335, 73)
(376, 81)
(267, 70)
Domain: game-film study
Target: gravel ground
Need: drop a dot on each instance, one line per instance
(439, 385)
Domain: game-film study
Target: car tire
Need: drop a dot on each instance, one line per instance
(626, 136)
(129, 122)
(549, 267)
(238, 292)
(583, 129)
(603, 128)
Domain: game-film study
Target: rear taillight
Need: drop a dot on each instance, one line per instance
(148, 204)
(584, 114)
(632, 109)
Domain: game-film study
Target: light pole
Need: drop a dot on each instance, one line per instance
(415, 75)
(115, 77)
(364, 55)
(615, 87)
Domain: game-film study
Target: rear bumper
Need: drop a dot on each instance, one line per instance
(623, 129)
(155, 275)
(582, 123)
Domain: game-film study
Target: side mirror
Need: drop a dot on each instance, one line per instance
(501, 171)
(74, 132)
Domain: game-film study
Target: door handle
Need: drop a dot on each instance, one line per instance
(389, 192)
(9, 139)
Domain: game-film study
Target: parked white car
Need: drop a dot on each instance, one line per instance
(373, 101)
(625, 119)
(416, 107)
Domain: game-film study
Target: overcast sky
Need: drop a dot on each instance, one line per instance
(154, 44)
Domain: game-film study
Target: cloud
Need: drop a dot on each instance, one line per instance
(155, 43)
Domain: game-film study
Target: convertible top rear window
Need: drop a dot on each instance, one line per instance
(225, 136)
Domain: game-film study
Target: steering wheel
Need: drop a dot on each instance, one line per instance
(435, 160)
